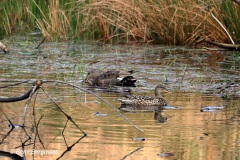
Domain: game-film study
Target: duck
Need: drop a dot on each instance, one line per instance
(110, 78)
(3, 47)
(145, 103)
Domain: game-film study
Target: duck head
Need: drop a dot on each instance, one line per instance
(91, 76)
(160, 89)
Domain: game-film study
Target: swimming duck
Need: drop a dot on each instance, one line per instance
(145, 103)
(3, 47)
(110, 78)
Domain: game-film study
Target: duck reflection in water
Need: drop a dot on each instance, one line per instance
(159, 118)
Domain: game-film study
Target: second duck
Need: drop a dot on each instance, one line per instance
(110, 78)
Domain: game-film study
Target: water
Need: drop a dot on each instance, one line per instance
(181, 133)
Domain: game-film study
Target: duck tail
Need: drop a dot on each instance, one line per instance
(128, 81)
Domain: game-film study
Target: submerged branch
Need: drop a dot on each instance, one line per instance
(66, 83)
(37, 135)
(131, 153)
(12, 127)
(21, 97)
(41, 42)
(15, 84)
(60, 108)
(26, 107)
(16, 98)
(38, 84)
(70, 147)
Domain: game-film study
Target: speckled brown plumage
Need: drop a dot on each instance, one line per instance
(145, 103)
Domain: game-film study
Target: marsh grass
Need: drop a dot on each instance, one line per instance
(176, 22)
(167, 22)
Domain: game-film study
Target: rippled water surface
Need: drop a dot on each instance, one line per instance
(195, 78)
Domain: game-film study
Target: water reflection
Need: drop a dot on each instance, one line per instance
(184, 133)
(159, 118)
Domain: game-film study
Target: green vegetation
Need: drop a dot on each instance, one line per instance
(166, 22)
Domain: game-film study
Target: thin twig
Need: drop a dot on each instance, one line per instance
(12, 127)
(26, 107)
(41, 42)
(60, 108)
(131, 153)
(15, 84)
(37, 132)
(63, 132)
(222, 27)
(37, 135)
(53, 139)
(70, 147)
(66, 83)
(36, 125)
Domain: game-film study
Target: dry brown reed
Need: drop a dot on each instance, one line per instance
(11, 15)
(181, 22)
(167, 22)
(55, 24)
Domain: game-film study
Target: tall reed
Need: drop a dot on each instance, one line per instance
(167, 21)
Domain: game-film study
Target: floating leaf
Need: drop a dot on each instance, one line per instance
(165, 154)
(100, 114)
(211, 108)
(139, 139)
(171, 107)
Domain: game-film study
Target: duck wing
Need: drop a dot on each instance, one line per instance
(131, 97)
(143, 101)
(114, 77)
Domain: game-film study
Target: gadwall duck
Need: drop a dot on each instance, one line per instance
(110, 78)
(145, 103)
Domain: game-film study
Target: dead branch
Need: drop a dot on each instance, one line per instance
(60, 108)
(21, 97)
(41, 42)
(70, 147)
(10, 155)
(25, 109)
(66, 83)
(37, 135)
(15, 84)
(12, 127)
(131, 153)
(224, 45)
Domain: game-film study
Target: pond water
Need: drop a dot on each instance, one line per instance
(193, 76)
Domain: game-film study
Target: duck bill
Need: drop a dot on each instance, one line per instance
(166, 91)
(88, 81)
